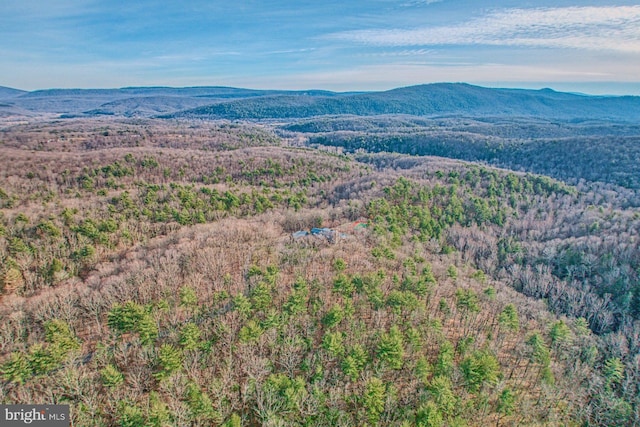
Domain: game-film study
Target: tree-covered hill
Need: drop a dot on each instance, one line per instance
(442, 99)
(150, 276)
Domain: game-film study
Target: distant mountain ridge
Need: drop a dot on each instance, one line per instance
(443, 99)
(218, 102)
(192, 91)
(132, 101)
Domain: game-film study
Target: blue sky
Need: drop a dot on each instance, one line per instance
(580, 45)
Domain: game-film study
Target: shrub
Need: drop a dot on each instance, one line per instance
(111, 376)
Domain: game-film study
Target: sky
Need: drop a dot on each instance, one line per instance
(343, 45)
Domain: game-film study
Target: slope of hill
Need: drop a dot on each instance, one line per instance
(150, 275)
(9, 112)
(570, 151)
(7, 92)
(146, 106)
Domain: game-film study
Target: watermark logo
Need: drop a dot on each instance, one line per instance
(34, 415)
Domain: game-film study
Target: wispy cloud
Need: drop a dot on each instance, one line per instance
(398, 53)
(33, 9)
(288, 51)
(413, 3)
(614, 28)
(195, 56)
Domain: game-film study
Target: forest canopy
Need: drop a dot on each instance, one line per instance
(150, 276)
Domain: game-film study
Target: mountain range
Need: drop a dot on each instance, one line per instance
(431, 100)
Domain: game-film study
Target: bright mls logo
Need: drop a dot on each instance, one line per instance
(36, 415)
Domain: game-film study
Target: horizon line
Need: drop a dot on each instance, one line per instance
(541, 87)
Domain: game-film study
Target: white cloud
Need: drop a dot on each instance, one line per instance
(613, 28)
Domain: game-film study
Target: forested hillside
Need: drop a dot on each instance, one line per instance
(569, 151)
(432, 100)
(152, 274)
